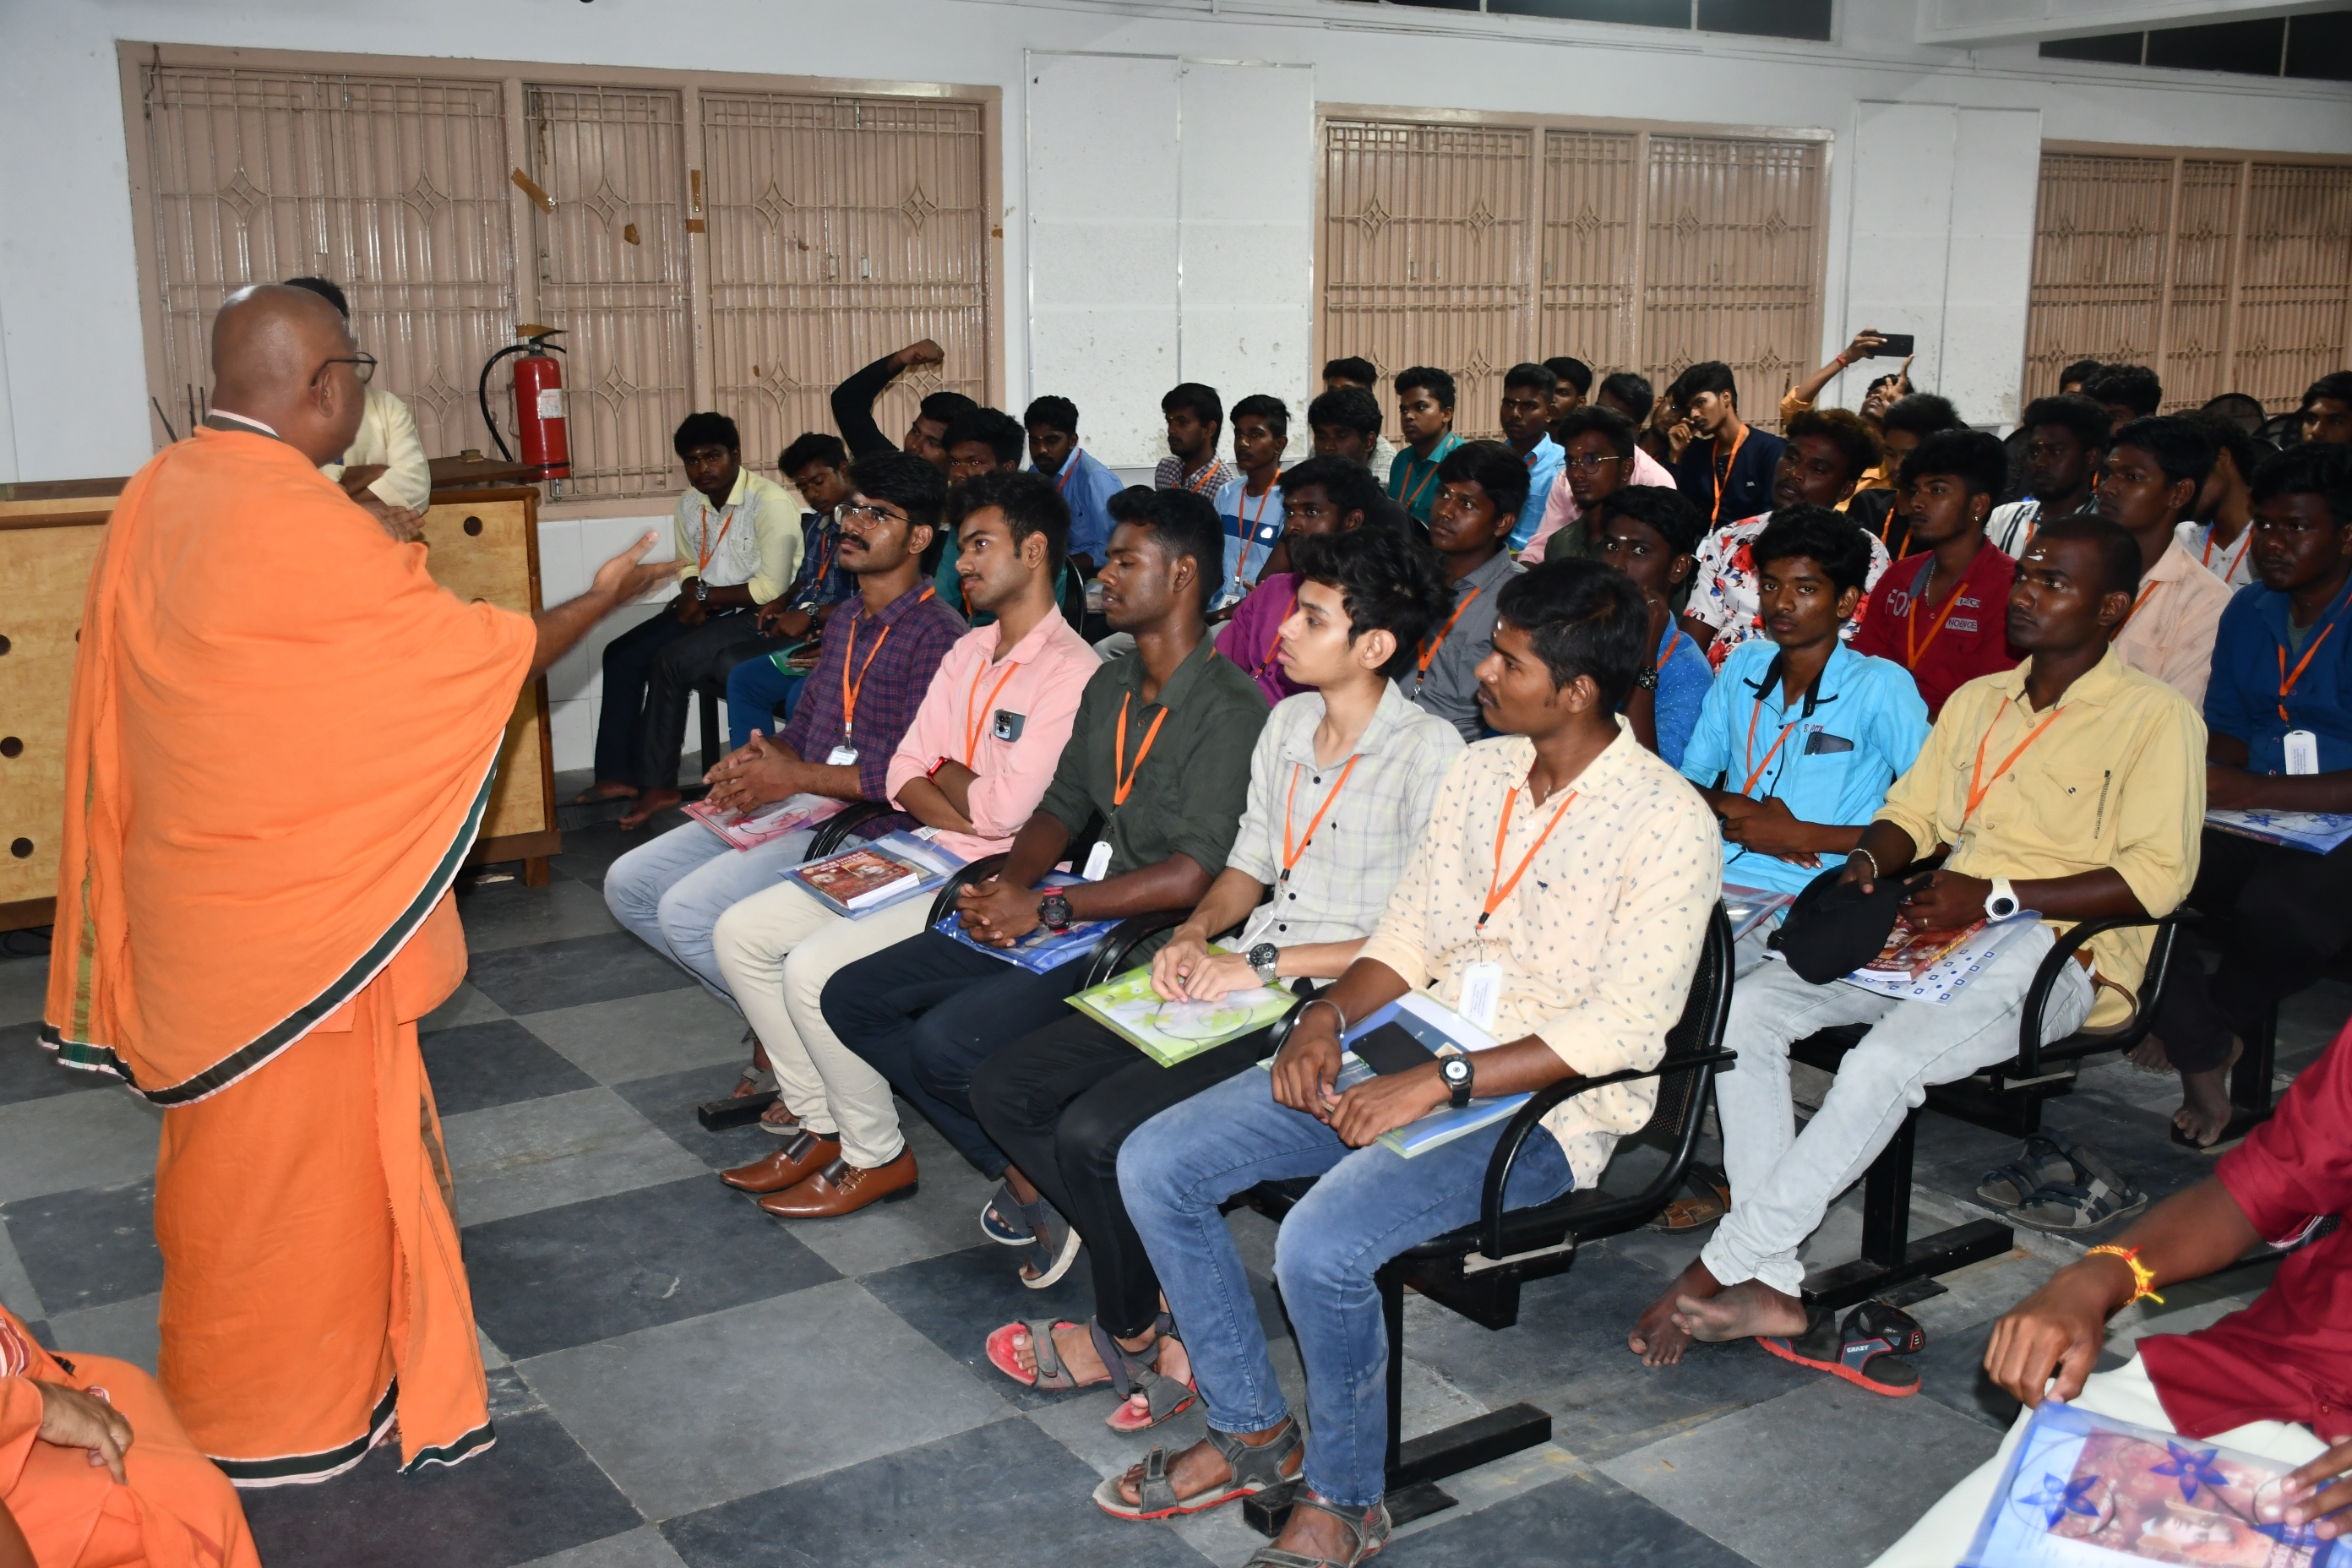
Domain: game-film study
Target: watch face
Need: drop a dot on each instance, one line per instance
(1264, 955)
(1454, 1070)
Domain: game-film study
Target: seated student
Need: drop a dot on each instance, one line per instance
(1196, 422)
(2327, 409)
(2265, 1380)
(2127, 391)
(1479, 488)
(971, 765)
(2277, 668)
(738, 544)
(1527, 430)
(2072, 786)
(1943, 614)
(1571, 380)
(1626, 392)
(871, 672)
(1250, 504)
(1907, 422)
(1876, 395)
(853, 407)
(1347, 425)
(763, 683)
(1648, 534)
(1357, 375)
(1085, 485)
(1598, 456)
(95, 1469)
(387, 443)
(1321, 495)
(2071, 379)
(985, 441)
(1340, 787)
(1425, 419)
(2219, 528)
(2065, 442)
(1578, 872)
(1159, 751)
(1801, 735)
(1825, 453)
(2153, 473)
(1724, 466)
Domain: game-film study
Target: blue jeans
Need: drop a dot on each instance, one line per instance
(670, 891)
(1368, 1206)
(755, 690)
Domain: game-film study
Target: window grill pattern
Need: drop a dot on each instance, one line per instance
(2226, 274)
(392, 186)
(1449, 245)
(841, 229)
(612, 274)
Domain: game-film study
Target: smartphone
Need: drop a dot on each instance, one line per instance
(1895, 345)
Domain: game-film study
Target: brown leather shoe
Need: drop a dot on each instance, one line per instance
(843, 1189)
(788, 1166)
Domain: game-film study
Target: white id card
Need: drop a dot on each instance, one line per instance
(2302, 753)
(1097, 861)
(1482, 992)
(842, 756)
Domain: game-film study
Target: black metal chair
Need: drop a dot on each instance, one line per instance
(2007, 1098)
(1477, 1270)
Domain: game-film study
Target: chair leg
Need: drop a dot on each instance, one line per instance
(1889, 1256)
(713, 737)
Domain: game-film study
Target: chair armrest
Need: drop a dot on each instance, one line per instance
(834, 830)
(1531, 1116)
(980, 870)
(1109, 954)
(2045, 979)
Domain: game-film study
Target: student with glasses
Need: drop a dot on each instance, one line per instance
(1600, 456)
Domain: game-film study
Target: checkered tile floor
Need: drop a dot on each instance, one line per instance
(677, 1379)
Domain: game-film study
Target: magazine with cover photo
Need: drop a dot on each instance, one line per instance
(749, 829)
(1932, 966)
(893, 868)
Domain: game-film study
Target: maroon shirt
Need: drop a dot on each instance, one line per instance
(2288, 1357)
(1974, 639)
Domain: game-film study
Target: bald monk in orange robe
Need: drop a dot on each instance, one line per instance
(96, 1473)
(282, 741)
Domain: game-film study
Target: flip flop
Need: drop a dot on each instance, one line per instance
(1866, 1352)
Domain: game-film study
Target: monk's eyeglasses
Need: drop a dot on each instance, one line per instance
(362, 368)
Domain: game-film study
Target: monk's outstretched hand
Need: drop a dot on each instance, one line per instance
(629, 573)
(72, 1419)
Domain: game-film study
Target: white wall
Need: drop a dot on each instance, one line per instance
(72, 378)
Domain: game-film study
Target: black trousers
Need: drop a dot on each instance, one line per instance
(2288, 913)
(649, 675)
(1060, 1102)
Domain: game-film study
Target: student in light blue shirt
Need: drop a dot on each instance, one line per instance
(1651, 533)
(1527, 390)
(1251, 506)
(1800, 736)
(1087, 486)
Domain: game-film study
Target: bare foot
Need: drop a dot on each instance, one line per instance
(1200, 1469)
(648, 802)
(1745, 1311)
(2150, 1055)
(1656, 1337)
(2205, 1108)
(604, 789)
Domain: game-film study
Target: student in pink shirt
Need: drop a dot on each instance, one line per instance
(1321, 495)
(1601, 459)
(970, 768)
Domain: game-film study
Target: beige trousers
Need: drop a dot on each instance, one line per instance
(777, 949)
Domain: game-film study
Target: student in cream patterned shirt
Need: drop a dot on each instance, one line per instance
(1572, 939)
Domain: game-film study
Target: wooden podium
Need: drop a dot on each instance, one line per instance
(482, 543)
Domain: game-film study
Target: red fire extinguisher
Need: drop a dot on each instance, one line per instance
(542, 428)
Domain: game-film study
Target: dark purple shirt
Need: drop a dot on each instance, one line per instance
(898, 653)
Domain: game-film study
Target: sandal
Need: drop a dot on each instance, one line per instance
(1057, 1248)
(1052, 1377)
(1865, 1352)
(1369, 1527)
(1255, 1469)
(1138, 1371)
(1707, 1198)
(2096, 1196)
(2043, 1159)
(1002, 1218)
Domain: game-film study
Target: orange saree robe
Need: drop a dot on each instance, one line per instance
(282, 741)
(176, 1509)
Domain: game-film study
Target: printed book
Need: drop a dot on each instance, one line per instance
(749, 829)
(893, 868)
(1932, 966)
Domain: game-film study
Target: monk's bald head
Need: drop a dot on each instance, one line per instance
(273, 349)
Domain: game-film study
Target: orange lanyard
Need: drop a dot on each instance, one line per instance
(706, 547)
(2245, 539)
(1290, 853)
(1429, 649)
(1912, 647)
(1207, 469)
(975, 711)
(849, 689)
(1495, 895)
(1666, 647)
(1749, 753)
(1435, 459)
(1724, 478)
(1067, 469)
(1273, 644)
(1123, 776)
(2145, 595)
(2286, 682)
(1979, 786)
(1249, 533)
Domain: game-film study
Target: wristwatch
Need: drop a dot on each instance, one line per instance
(701, 591)
(1455, 1073)
(1054, 910)
(1647, 678)
(2001, 902)
(1262, 958)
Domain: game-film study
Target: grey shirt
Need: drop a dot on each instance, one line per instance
(1450, 686)
(1340, 882)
